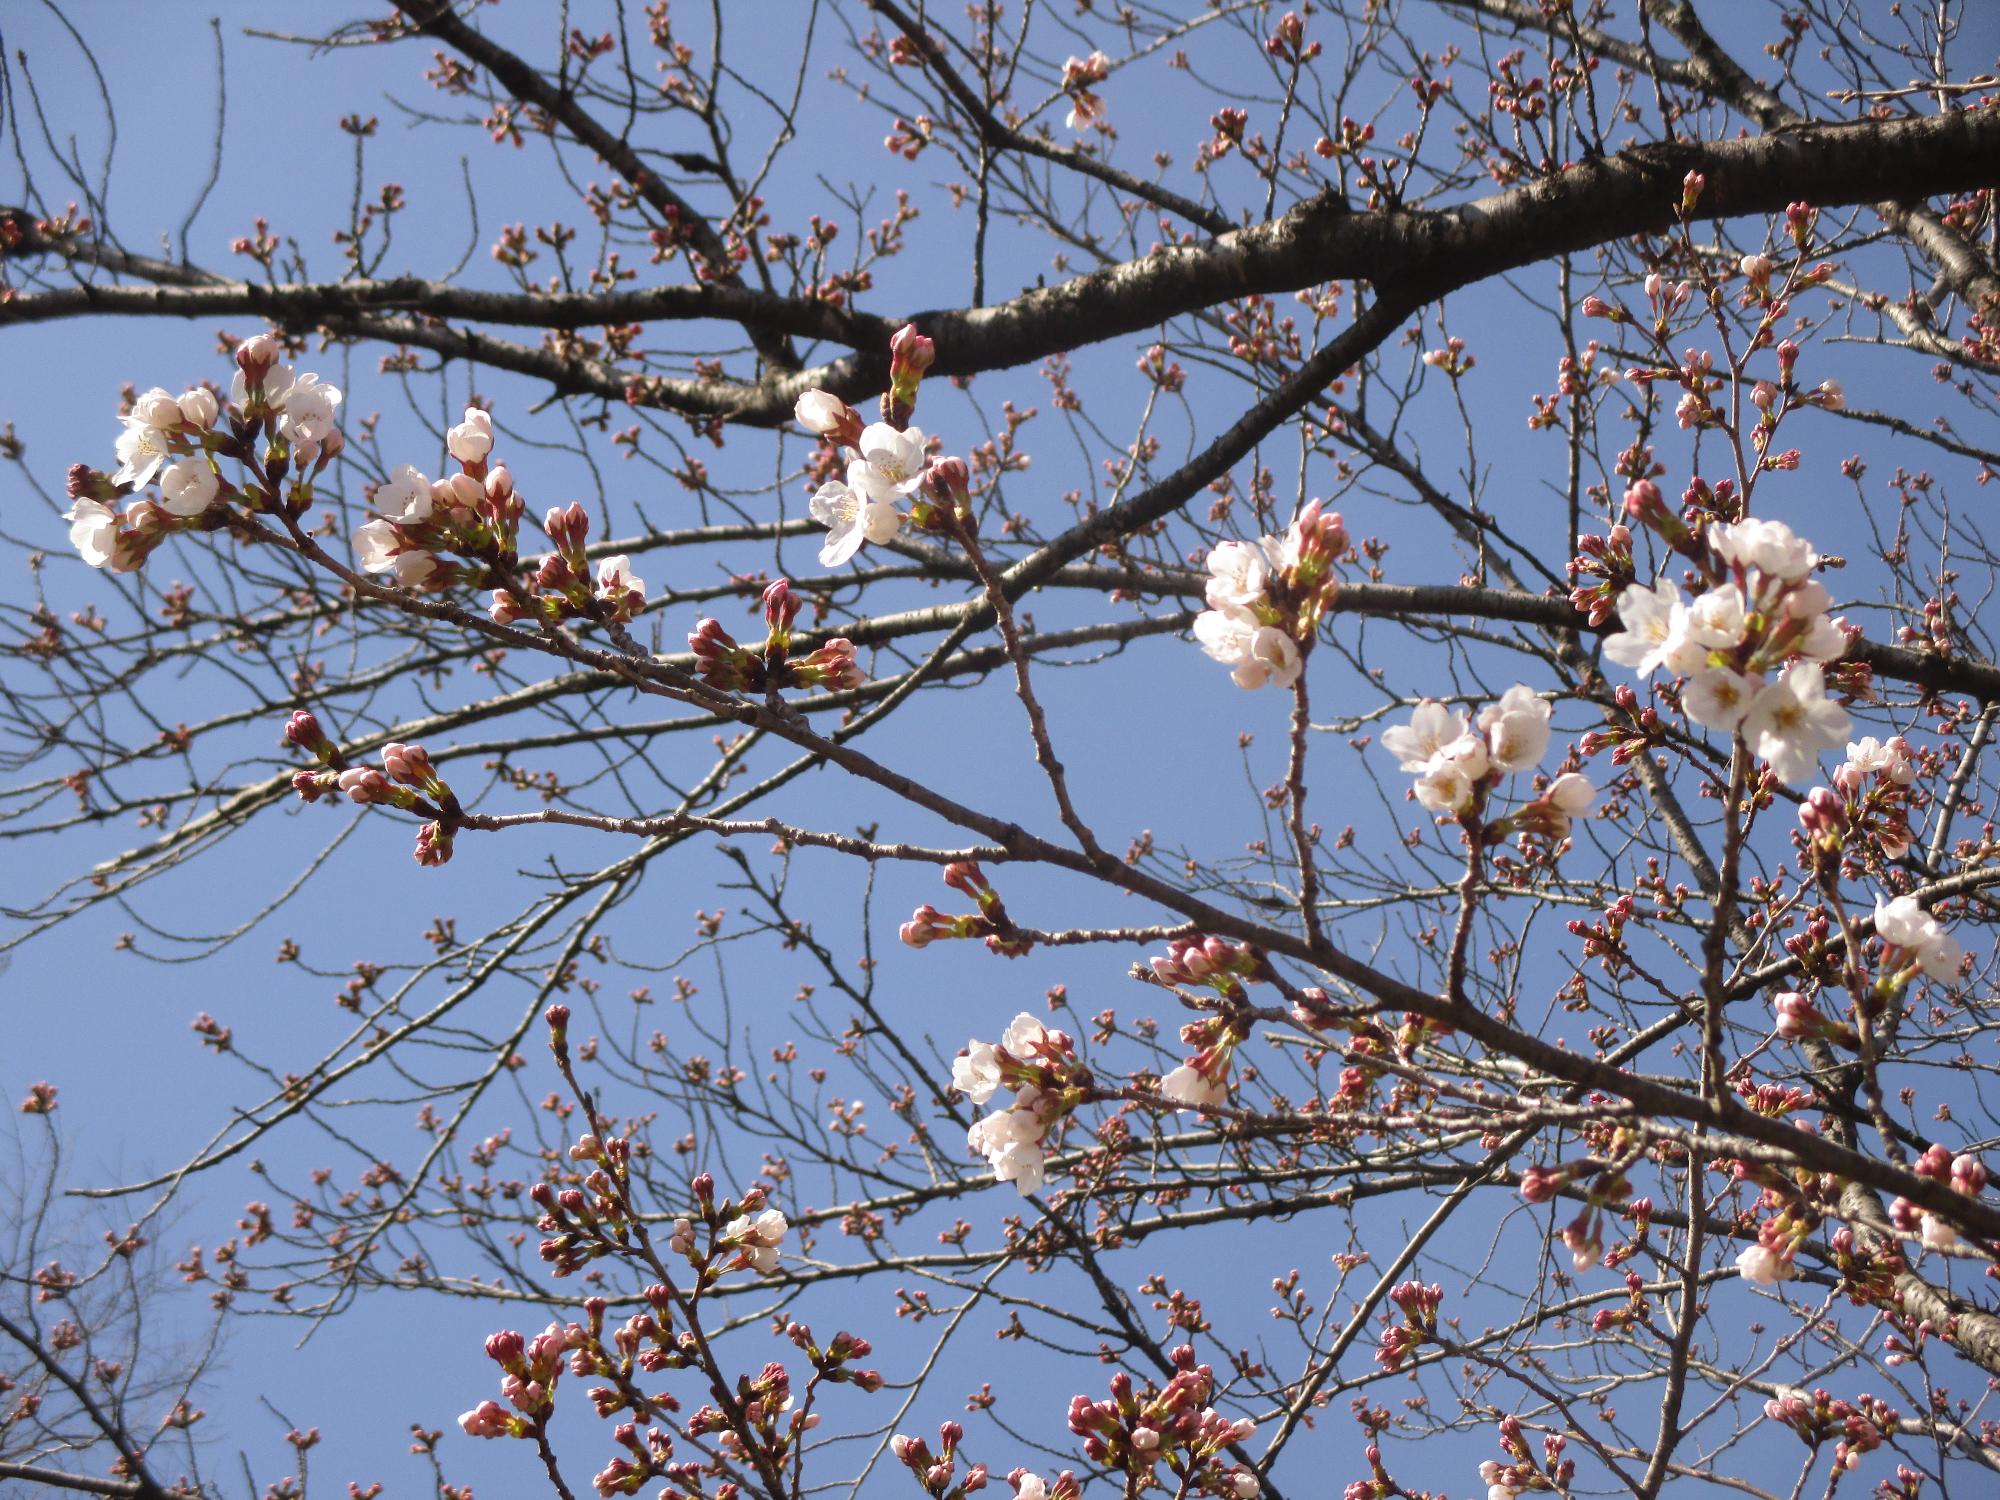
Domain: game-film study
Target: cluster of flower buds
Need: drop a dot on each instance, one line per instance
(475, 513)
(1608, 560)
(1419, 1305)
(1135, 1431)
(1457, 765)
(936, 1472)
(1202, 1082)
(743, 1234)
(1085, 107)
(179, 441)
(1870, 797)
(888, 462)
(927, 924)
(564, 586)
(832, 1363)
(1964, 1175)
(650, 1457)
(407, 779)
(1770, 1260)
(1212, 963)
(1861, 1426)
(531, 1368)
(1762, 611)
(1041, 1067)
(1798, 1018)
(1265, 598)
(723, 663)
(1521, 1473)
(768, 1426)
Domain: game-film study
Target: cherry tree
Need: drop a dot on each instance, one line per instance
(801, 608)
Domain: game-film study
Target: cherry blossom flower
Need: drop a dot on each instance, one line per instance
(405, 497)
(852, 515)
(1792, 721)
(1718, 698)
(1258, 653)
(1764, 1266)
(1432, 726)
(1903, 924)
(1771, 547)
(142, 449)
(472, 439)
(1650, 615)
(1238, 576)
(308, 405)
(1023, 1034)
(1934, 1234)
(1716, 619)
(976, 1072)
(198, 408)
(1516, 728)
(93, 530)
(188, 487)
(1190, 1088)
(1869, 755)
(382, 550)
(158, 408)
(826, 415)
(615, 579)
(1446, 781)
(757, 1239)
(892, 462)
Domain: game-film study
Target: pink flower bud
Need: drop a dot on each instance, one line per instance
(1540, 1184)
(781, 607)
(255, 356)
(910, 352)
(365, 784)
(409, 764)
(1968, 1176)
(506, 609)
(302, 731)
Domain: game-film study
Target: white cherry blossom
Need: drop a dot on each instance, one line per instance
(852, 515)
(1716, 619)
(1764, 1266)
(1648, 613)
(188, 487)
(976, 1074)
(405, 497)
(198, 408)
(820, 412)
(1906, 925)
(892, 462)
(309, 406)
(1718, 698)
(1237, 576)
(615, 576)
(472, 439)
(1258, 653)
(93, 530)
(1868, 755)
(1432, 727)
(142, 449)
(1771, 547)
(1023, 1034)
(1792, 721)
(1516, 728)
(1190, 1089)
(158, 408)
